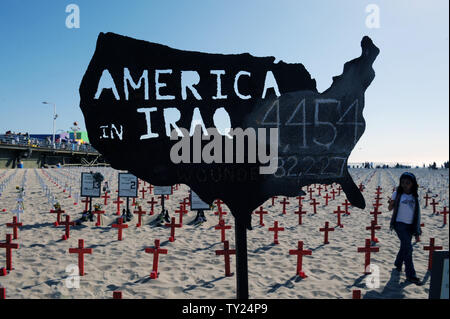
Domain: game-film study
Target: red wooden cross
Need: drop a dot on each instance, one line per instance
(172, 226)
(219, 203)
(445, 213)
(431, 248)
(226, 252)
(319, 189)
(326, 229)
(314, 203)
(106, 196)
(375, 214)
(427, 197)
(152, 203)
(143, 191)
(333, 192)
(80, 251)
(273, 199)
(118, 202)
(339, 190)
(379, 192)
(377, 204)
(367, 250)
(14, 226)
(186, 201)
(222, 228)
(120, 226)
(373, 226)
(155, 251)
(310, 191)
(284, 202)
(67, 225)
(117, 295)
(276, 229)
(139, 212)
(300, 252)
(86, 203)
(58, 215)
(182, 211)
(339, 212)
(346, 204)
(356, 294)
(300, 212)
(300, 198)
(261, 214)
(8, 245)
(378, 198)
(434, 203)
(220, 213)
(150, 188)
(99, 214)
(327, 197)
(361, 187)
(2, 293)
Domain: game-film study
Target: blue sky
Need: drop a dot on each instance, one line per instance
(407, 105)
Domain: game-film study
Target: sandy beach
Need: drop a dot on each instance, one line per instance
(191, 269)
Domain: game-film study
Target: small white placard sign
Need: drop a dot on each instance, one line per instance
(89, 187)
(162, 190)
(128, 185)
(197, 203)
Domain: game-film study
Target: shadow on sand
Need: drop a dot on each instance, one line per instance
(394, 288)
(288, 284)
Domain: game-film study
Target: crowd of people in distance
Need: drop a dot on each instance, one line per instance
(24, 139)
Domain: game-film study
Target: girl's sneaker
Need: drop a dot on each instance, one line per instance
(414, 280)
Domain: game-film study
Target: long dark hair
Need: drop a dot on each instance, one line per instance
(412, 178)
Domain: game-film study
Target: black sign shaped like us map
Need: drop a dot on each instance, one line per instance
(134, 91)
(169, 116)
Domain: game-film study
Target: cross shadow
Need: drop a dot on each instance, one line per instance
(264, 248)
(207, 248)
(287, 284)
(28, 227)
(394, 289)
(106, 230)
(95, 246)
(50, 282)
(164, 243)
(37, 245)
(112, 287)
(318, 247)
(358, 283)
(205, 284)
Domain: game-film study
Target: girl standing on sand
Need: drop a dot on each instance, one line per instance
(406, 222)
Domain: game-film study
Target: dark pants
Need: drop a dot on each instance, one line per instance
(404, 233)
